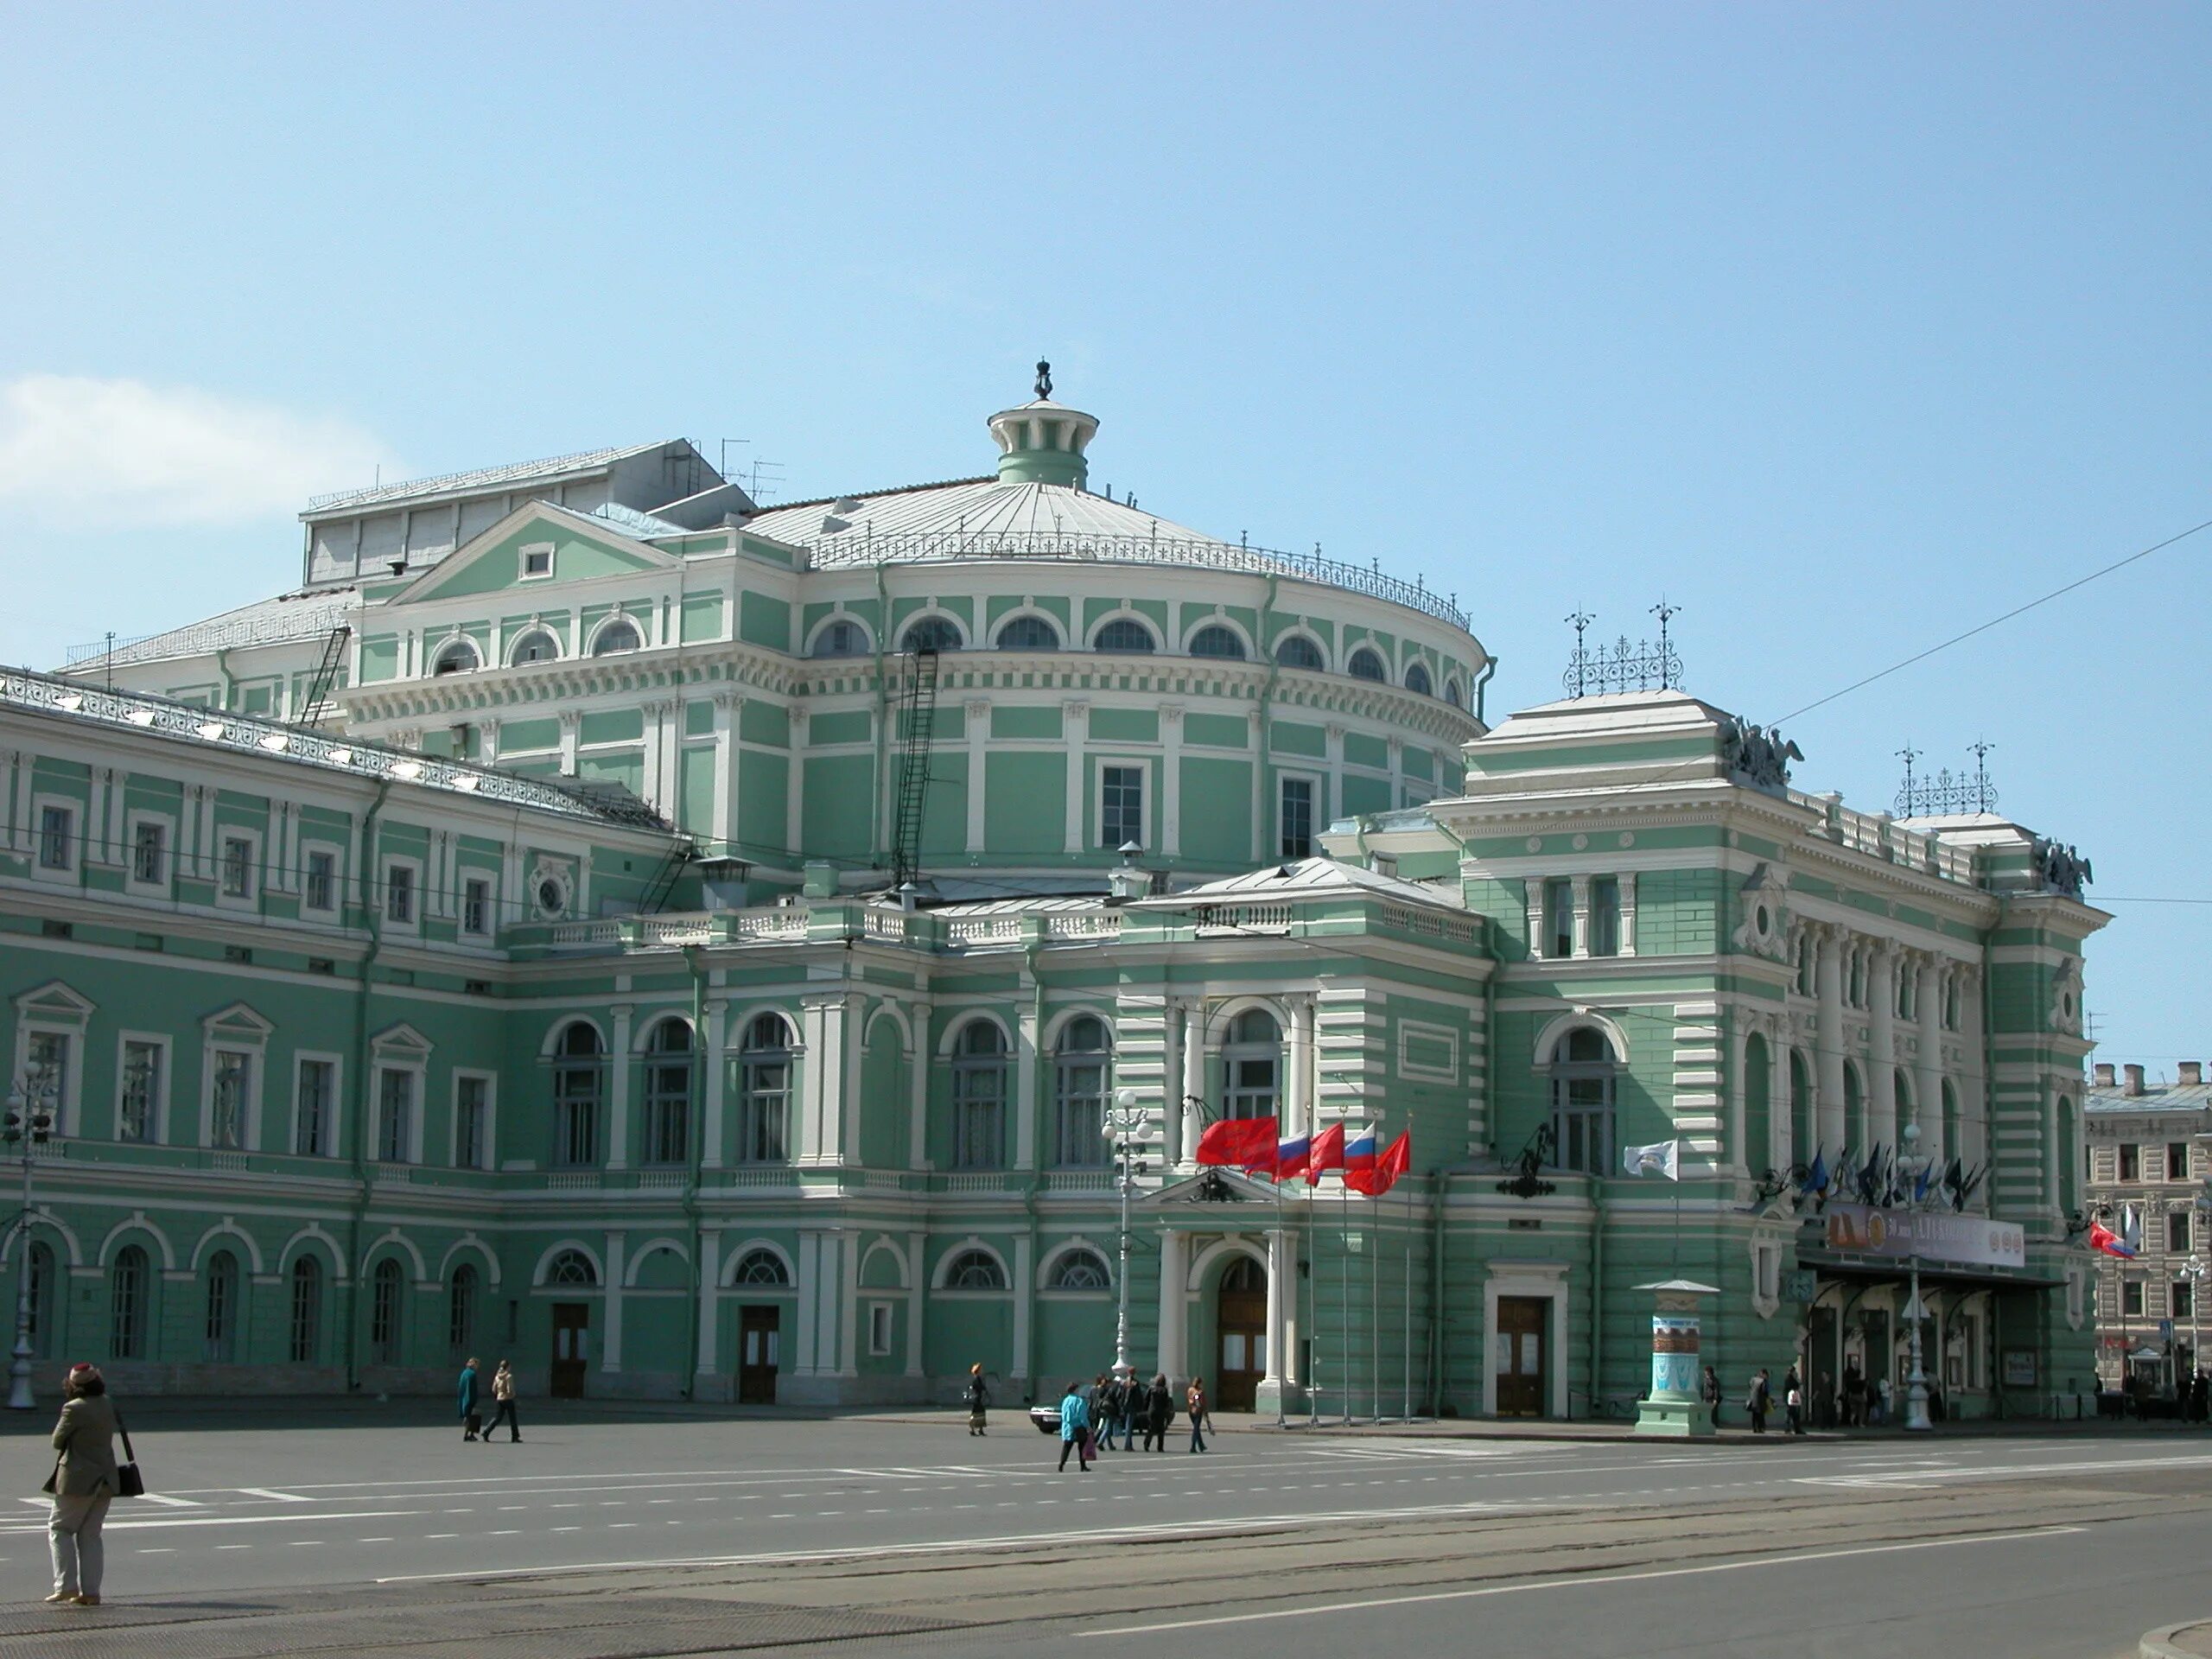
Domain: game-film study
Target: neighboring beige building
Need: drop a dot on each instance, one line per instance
(2148, 1155)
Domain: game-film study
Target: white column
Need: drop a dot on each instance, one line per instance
(1171, 1083)
(977, 731)
(618, 1090)
(1025, 1038)
(1024, 1292)
(610, 1346)
(729, 711)
(1829, 1045)
(572, 725)
(711, 1055)
(821, 1080)
(1928, 1063)
(1580, 886)
(1780, 1152)
(655, 783)
(1973, 1080)
(918, 1090)
(1300, 1092)
(1398, 775)
(1075, 738)
(809, 1276)
(847, 1143)
(1194, 1076)
(1173, 1312)
(795, 780)
(1278, 1277)
(916, 1303)
(1881, 1038)
(710, 1274)
(846, 1360)
(1171, 779)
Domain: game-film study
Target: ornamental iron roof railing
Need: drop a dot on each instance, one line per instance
(219, 728)
(264, 625)
(919, 546)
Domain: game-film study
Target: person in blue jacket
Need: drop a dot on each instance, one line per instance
(471, 1421)
(1074, 1428)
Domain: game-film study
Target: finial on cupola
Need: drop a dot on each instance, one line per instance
(1044, 378)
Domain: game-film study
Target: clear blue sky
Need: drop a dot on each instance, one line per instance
(1845, 327)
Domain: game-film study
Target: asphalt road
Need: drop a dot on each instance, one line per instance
(244, 1507)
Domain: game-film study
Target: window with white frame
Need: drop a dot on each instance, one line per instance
(536, 560)
(138, 1106)
(319, 880)
(879, 1329)
(579, 1080)
(150, 852)
(1252, 1064)
(231, 1095)
(399, 894)
(667, 1094)
(979, 1079)
(617, 637)
(314, 1107)
(46, 1057)
(1605, 916)
(397, 1089)
(57, 837)
(306, 1323)
(238, 867)
(1121, 806)
(1558, 918)
(1583, 1071)
(1296, 651)
(1295, 820)
(471, 1121)
(841, 637)
(1081, 1060)
(476, 906)
(764, 1100)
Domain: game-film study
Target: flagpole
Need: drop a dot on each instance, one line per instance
(1310, 1233)
(1375, 1304)
(1343, 1289)
(1407, 1393)
(1276, 1259)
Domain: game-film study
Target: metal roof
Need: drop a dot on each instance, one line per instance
(2155, 1097)
(583, 461)
(302, 615)
(1309, 877)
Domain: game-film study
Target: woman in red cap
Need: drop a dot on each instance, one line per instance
(85, 1478)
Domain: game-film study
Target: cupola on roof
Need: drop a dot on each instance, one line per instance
(1042, 441)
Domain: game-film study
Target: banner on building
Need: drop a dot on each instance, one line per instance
(1933, 1236)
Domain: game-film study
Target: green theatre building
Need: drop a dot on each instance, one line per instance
(691, 949)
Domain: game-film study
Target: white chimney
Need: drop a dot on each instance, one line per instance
(2191, 1073)
(2105, 1078)
(2134, 1074)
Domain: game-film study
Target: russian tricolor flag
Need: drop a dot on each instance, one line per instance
(1291, 1158)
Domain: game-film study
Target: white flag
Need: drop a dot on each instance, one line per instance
(1664, 1156)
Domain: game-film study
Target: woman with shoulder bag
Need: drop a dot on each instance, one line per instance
(85, 1475)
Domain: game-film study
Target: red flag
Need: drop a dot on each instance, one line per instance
(1395, 1160)
(1239, 1141)
(1328, 1153)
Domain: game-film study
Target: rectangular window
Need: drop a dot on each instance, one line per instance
(668, 1111)
(1558, 918)
(1298, 817)
(1121, 807)
(2131, 1163)
(399, 894)
(148, 853)
(2185, 1300)
(237, 867)
(472, 1114)
(57, 837)
(49, 1068)
(316, 1098)
(395, 1115)
(321, 883)
(2131, 1298)
(2176, 1160)
(1605, 916)
(306, 1310)
(141, 1088)
(2178, 1232)
(233, 1077)
(476, 906)
(879, 1328)
(536, 560)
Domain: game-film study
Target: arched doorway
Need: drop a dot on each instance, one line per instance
(1239, 1334)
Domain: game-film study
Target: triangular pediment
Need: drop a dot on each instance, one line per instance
(577, 549)
(403, 1040)
(54, 1001)
(236, 1023)
(1211, 1186)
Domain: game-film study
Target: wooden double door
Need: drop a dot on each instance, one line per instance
(571, 1349)
(759, 1338)
(1240, 1335)
(1521, 1358)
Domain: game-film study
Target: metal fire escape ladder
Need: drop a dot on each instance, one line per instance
(918, 724)
(316, 707)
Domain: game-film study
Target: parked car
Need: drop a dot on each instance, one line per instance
(1047, 1419)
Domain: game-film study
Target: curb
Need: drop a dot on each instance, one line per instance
(2161, 1643)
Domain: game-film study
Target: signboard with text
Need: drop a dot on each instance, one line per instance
(1932, 1235)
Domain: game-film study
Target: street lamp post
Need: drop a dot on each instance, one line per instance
(1915, 1411)
(29, 1120)
(1125, 1126)
(2196, 1270)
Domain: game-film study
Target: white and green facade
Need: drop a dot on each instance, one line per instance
(535, 988)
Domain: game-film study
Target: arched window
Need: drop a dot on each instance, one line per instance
(937, 633)
(129, 1284)
(764, 1100)
(221, 1328)
(843, 638)
(979, 1074)
(571, 1267)
(2069, 1162)
(1081, 1060)
(1801, 1110)
(668, 1093)
(759, 1267)
(1215, 640)
(1417, 680)
(1366, 665)
(385, 1325)
(1951, 1125)
(975, 1270)
(1902, 1081)
(1583, 1069)
(1758, 1151)
(1127, 635)
(579, 1078)
(307, 1310)
(1252, 1064)
(1854, 1110)
(1080, 1270)
(617, 637)
(457, 657)
(534, 645)
(1028, 633)
(1296, 651)
(45, 1310)
(460, 1313)
(1451, 695)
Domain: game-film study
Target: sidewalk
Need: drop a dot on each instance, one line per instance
(2190, 1641)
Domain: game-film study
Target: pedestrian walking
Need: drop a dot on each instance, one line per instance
(1793, 1400)
(1823, 1401)
(1854, 1396)
(1709, 1387)
(502, 1399)
(1158, 1412)
(472, 1420)
(84, 1478)
(978, 1398)
(1761, 1399)
(1130, 1406)
(1106, 1409)
(1194, 1403)
(1074, 1428)
(1882, 1397)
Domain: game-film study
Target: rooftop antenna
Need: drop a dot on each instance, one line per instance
(110, 654)
(728, 445)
